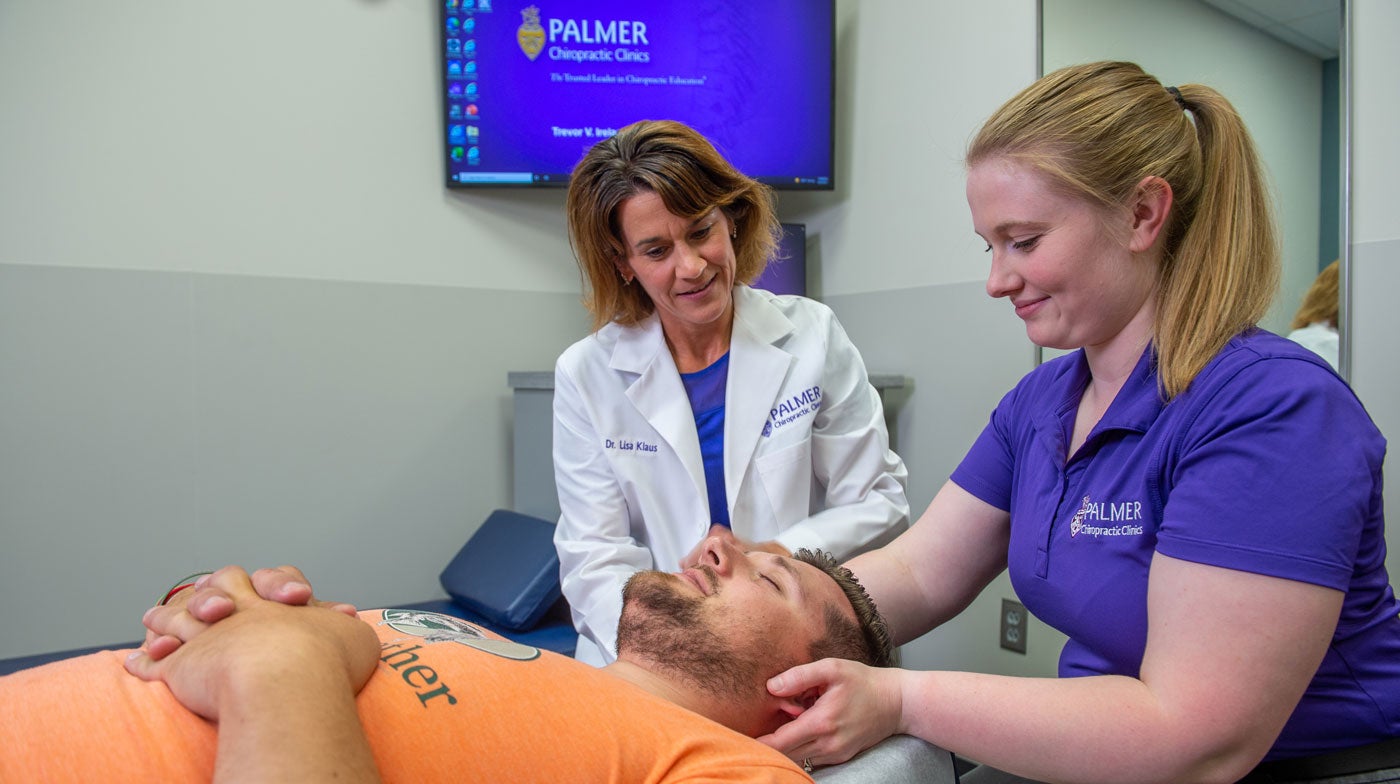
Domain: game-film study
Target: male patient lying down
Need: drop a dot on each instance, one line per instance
(439, 699)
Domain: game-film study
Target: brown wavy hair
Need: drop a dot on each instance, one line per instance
(678, 164)
(1096, 130)
(1322, 300)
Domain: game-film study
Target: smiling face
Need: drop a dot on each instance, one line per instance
(685, 266)
(728, 624)
(1067, 265)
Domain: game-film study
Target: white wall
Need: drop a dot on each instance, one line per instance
(917, 79)
(1375, 241)
(256, 138)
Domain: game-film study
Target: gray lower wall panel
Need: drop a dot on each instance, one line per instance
(156, 423)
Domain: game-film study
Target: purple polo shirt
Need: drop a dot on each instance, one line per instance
(1267, 463)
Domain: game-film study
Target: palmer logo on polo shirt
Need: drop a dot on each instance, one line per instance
(1107, 518)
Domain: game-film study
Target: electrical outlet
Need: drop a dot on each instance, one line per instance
(1014, 622)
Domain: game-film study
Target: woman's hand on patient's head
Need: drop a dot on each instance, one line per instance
(207, 603)
(849, 707)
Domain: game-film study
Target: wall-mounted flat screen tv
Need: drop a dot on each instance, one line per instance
(530, 85)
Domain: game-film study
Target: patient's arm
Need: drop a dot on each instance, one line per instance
(279, 680)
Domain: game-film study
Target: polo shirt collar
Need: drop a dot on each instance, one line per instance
(1136, 407)
(1138, 403)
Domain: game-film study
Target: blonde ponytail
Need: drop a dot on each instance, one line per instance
(1223, 276)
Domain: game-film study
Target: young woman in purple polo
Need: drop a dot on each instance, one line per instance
(1194, 501)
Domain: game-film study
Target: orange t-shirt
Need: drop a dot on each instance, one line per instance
(449, 702)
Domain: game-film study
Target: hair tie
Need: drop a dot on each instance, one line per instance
(1179, 100)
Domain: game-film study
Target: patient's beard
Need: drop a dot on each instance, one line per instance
(678, 634)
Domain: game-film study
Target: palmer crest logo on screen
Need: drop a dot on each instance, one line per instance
(530, 35)
(580, 41)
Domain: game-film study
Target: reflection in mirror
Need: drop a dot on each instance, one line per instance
(1281, 69)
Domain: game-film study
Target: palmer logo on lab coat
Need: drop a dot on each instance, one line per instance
(804, 403)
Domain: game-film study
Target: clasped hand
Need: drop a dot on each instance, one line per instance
(208, 603)
(223, 636)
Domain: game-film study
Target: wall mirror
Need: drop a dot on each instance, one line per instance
(1283, 66)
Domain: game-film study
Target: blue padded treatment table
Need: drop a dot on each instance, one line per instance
(18, 663)
(506, 578)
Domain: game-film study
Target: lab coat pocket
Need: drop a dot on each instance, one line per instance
(787, 479)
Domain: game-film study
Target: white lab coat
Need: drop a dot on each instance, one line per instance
(1320, 338)
(806, 453)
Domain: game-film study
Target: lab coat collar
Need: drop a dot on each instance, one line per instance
(755, 319)
(759, 317)
(659, 394)
(638, 347)
(757, 370)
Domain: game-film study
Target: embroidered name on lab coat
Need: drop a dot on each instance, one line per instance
(626, 445)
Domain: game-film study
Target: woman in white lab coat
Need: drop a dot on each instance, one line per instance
(700, 405)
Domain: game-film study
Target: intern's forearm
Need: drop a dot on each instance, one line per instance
(1048, 729)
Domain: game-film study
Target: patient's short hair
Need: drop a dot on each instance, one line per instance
(868, 639)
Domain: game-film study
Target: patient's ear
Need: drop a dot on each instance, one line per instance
(794, 706)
